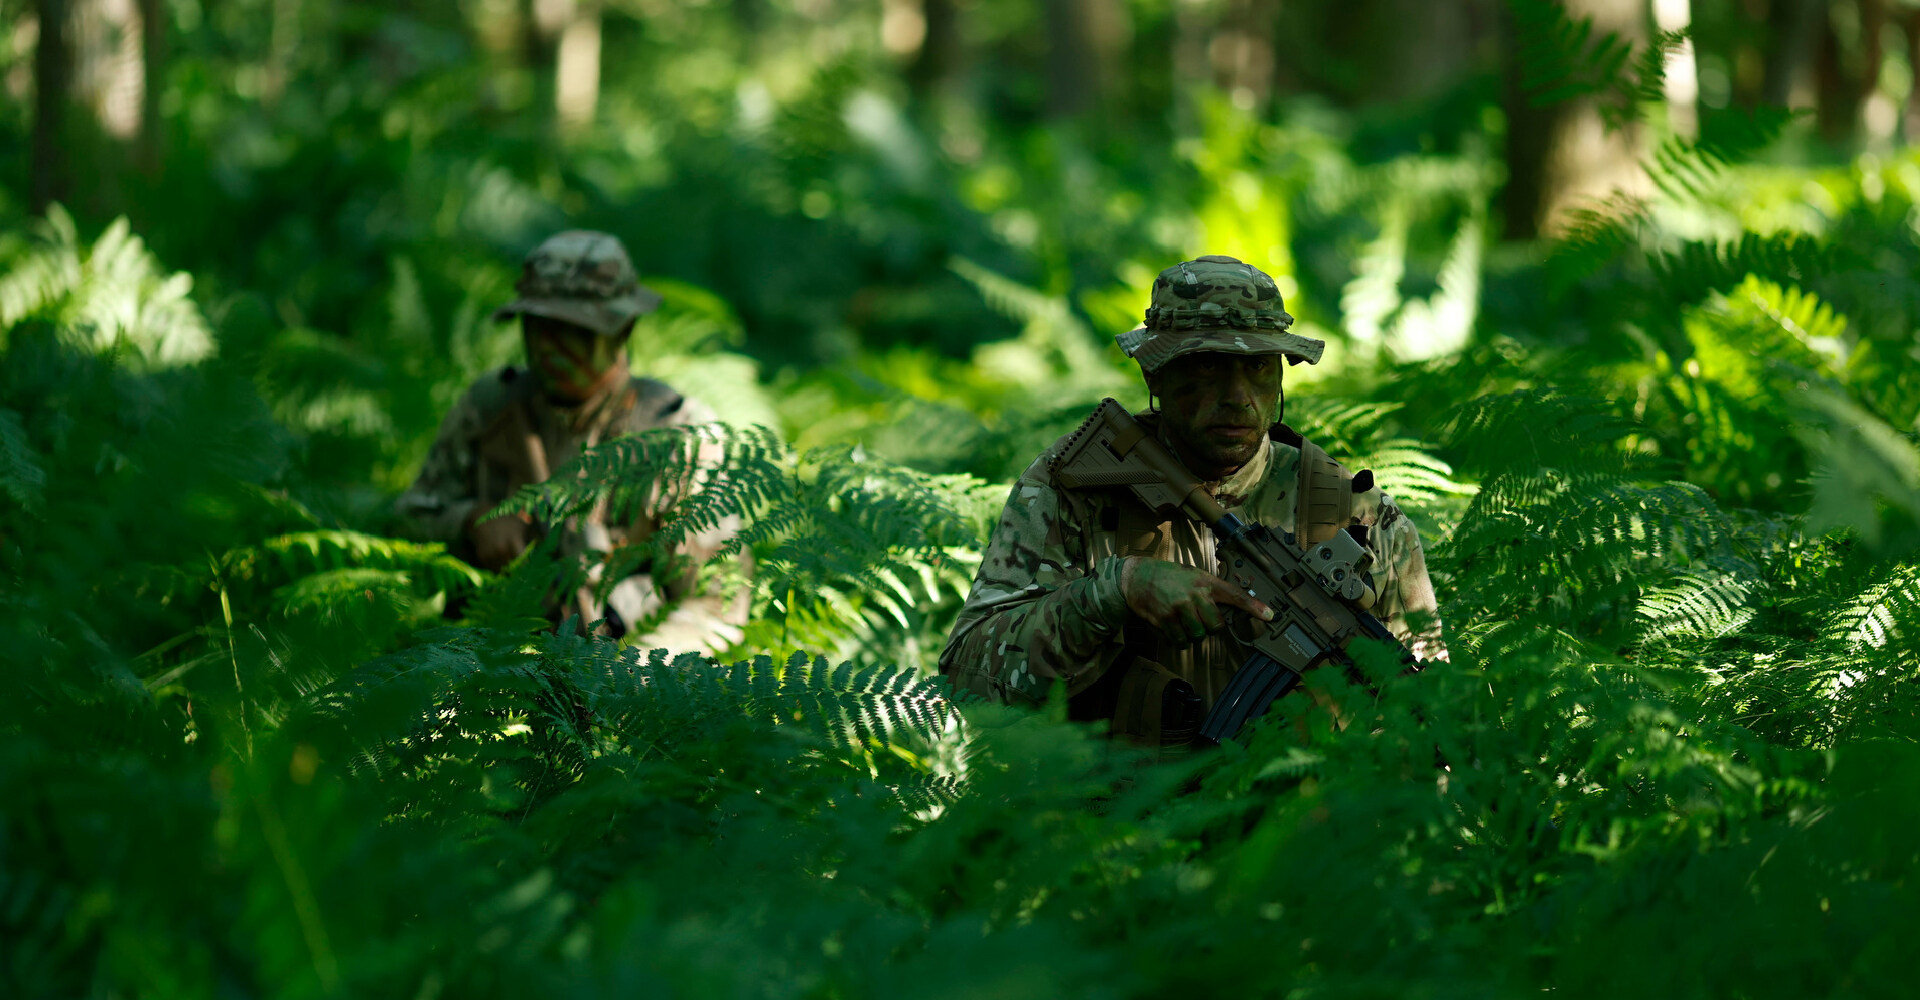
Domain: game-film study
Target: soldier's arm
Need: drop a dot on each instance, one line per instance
(1035, 615)
(1407, 604)
(444, 496)
(708, 608)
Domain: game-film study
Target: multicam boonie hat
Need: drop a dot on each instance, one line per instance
(581, 277)
(1215, 303)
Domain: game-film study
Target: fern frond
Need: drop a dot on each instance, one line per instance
(305, 553)
(1693, 270)
(1561, 58)
(110, 297)
(20, 472)
(1884, 619)
(1700, 604)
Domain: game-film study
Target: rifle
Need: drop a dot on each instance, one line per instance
(1319, 594)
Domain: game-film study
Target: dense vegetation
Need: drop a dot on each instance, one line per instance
(1665, 461)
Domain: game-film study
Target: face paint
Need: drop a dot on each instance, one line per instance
(571, 363)
(1216, 408)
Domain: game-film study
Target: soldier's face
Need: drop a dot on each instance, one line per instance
(1217, 407)
(570, 361)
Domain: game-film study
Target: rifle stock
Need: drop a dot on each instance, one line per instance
(1319, 596)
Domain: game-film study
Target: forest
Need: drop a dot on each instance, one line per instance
(1621, 305)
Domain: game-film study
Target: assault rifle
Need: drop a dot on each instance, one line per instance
(1319, 593)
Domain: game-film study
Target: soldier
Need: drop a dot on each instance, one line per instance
(1081, 585)
(578, 299)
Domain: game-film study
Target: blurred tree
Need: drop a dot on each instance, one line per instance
(108, 72)
(52, 90)
(1585, 159)
(1682, 85)
(576, 91)
(1910, 26)
(1567, 153)
(1795, 28)
(149, 150)
(937, 59)
(1085, 39)
(1847, 64)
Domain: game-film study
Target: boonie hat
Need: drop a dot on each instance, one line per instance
(584, 278)
(1215, 303)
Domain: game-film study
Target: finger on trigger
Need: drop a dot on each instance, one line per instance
(1227, 593)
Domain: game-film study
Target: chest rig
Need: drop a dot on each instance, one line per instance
(1157, 693)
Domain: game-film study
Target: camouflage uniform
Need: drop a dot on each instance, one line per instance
(1047, 603)
(505, 432)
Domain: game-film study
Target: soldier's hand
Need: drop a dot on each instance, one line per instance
(499, 541)
(1180, 602)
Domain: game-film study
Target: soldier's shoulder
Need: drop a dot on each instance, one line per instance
(1040, 471)
(491, 393)
(657, 404)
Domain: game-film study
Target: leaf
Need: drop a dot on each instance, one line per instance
(20, 472)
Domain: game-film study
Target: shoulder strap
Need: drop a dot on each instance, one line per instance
(511, 452)
(655, 401)
(1324, 489)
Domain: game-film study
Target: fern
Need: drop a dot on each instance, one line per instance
(1698, 604)
(1356, 432)
(1692, 270)
(1866, 474)
(307, 552)
(1592, 237)
(821, 526)
(110, 297)
(20, 472)
(1562, 59)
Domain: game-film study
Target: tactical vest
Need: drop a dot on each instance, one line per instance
(1157, 693)
(512, 452)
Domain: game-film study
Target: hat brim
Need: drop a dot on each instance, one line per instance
(606, 317)
(1154, 348)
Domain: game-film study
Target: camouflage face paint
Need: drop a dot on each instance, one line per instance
(1216, 408)
(570, 362)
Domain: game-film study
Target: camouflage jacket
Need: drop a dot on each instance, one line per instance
(1047, 604)
(504, 434)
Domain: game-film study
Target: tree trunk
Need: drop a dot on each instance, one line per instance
(749, 19)
(1529, 134)
(1191, 65)
(52, 84)
(1912, 124)
(1683, 77)
(1794, 28)
(1241, 52)
(576, 92)
(150, 151)
(1584, 161)
(1846, 75)
(937, 64)
(1084, 38)
(1421, 47)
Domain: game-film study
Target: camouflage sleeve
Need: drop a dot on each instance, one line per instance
(709, 608)
(436, 506)
(1034, 614)
(1400, 575)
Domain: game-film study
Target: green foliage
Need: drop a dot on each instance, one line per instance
(1666, 471)
(853, 549)
(1561, 58)
(110, 297)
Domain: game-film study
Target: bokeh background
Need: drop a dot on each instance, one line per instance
(1621, 298)
(852, 200)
